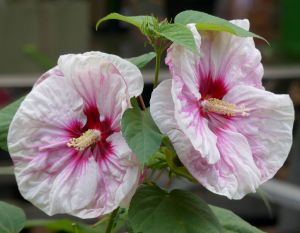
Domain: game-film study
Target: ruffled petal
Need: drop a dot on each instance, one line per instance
(268, 128)
(38, 137)
(90, 188)
(118, 177)
(54, 72)
(59, 179)
(183, 63)
(131, 74)
(162, 112)
(192, 123)
(162, 109)
(74, 188)
(234, 59)
(101, 86)
(233, 175)
(127, 165)
(47, 114)
(223, 60)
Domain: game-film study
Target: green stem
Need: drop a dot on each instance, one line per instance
(6, 171)
(75, 228)
(157, 67)
(112, 220)
(178, 170)
(141, 102)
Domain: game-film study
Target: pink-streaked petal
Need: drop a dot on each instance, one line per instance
(119, 174)
(54, 72)
(222, 61)
(128, 161)
(74, 188)
(234, 175)
(189, 120)
(183, 62)
(234, 58)
(268, 128)
(129, 72)
(96, 187)
(41, 127)
(162, 108)
(45, 117)
(162, 112)
(59, 179)
(101, 86)
(192, 123)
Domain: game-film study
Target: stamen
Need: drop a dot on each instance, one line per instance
(88, 138)
(223, 107)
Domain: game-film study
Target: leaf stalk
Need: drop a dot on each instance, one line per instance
(112, 219)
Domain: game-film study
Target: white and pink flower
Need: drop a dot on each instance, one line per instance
(229, 132)
(65, 139)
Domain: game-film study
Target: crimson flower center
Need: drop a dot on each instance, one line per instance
(87, 139)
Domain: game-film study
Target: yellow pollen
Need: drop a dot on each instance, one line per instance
(223, 107)
(88, 138)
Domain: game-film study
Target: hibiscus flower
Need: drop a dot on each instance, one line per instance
(229, 132)
(65, 140)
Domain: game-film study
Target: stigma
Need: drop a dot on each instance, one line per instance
(87, 139)
(223, 107)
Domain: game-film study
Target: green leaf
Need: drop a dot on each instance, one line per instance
(176, 166)
(212, 23)
(6, 115)
(12, 218)
(69, 226)
(179, 34)
(150, 27)
(66, 225)
(142, 60)
(136, 21)
(233, 223)
(155, 210)
(141, 133)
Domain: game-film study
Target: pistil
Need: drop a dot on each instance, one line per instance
(223, 107)
(87, 139)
